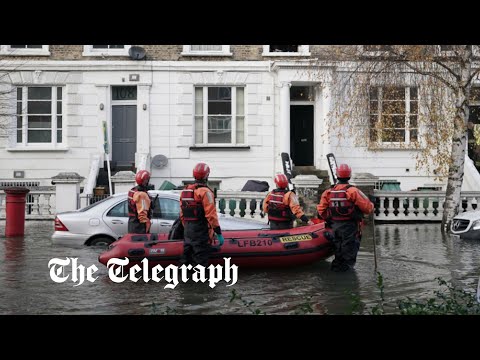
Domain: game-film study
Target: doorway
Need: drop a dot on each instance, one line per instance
(124, 135)
(124, 127)
(302, 134)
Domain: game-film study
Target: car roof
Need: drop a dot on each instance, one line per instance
(176, 193)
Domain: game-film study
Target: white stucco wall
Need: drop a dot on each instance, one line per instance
(167, 88)
(170, 116)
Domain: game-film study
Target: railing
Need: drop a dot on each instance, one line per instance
(90, 199)
(417, 205)
(40, 205)
(390, 206)
(246, 204)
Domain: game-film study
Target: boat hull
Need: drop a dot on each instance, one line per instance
(247, 248)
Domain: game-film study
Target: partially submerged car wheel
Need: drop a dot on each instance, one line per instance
(101, 241)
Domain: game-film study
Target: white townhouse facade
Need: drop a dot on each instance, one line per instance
(166, 107)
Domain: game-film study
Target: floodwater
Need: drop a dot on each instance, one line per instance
(410, 258)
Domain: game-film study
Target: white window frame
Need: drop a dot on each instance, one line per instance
(475, 51)
(88, 50)
(303, 50)
(53, 143)
(187, 51)
(7, 50)
(407, 127)
(372, 52)
(233, 115)
(445, 52)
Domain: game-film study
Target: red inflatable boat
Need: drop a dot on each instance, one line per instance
(246, 248)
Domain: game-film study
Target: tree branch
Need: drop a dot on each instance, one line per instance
(430, 73)
(443, 65)
(475, 73)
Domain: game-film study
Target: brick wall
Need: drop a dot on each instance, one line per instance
(168, 53)
(65, 52)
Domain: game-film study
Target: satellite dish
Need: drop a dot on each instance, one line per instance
(159, 161)
(136, 53)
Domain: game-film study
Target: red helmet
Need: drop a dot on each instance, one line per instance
(281, 181)
(201, 171)
(344, 171)
(142, 178)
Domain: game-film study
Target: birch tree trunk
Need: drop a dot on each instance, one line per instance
(456, 169)
(453, 201)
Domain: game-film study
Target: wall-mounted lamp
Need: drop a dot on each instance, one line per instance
(101, 106)
(144, 106)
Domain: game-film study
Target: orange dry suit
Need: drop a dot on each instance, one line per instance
(200, 221)
(343, 206)
(282, 207)
(344, 202)
(139, 211)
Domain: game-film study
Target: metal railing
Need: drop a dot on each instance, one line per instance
(90, 199)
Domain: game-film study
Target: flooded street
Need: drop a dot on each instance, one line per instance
(410, 258)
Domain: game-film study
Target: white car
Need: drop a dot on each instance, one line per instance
(107, 220)
(466, 225)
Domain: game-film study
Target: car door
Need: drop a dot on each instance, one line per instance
(167, 211)
(116, 218)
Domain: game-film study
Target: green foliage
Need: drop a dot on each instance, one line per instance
(449, 301)
(379, 309)
(355, 305)
(157, 310)
(304, 308)
(247, 304)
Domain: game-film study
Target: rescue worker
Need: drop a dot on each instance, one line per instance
(199, 218)
(282, 206)
(139, 205)
(343, 206)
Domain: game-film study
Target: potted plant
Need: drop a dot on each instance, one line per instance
(99, 190)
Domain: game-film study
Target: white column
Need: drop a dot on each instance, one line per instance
(325, 103)
(143, 128)
(307, 191)
(67, 190)
(123, 181)
(103, 114)
(285, 117)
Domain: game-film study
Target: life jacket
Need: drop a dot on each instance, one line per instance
(339, 208)
(192, 209)
(132, 207)
(277, 210)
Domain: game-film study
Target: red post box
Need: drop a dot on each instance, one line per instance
(15, 211)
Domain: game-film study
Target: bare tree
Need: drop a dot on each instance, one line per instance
(434, 83)
(8, 108)
(11, 109)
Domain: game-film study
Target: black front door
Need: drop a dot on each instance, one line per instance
(301, 134)
(124, 135)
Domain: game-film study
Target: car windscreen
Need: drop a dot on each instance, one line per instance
(86, 208)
